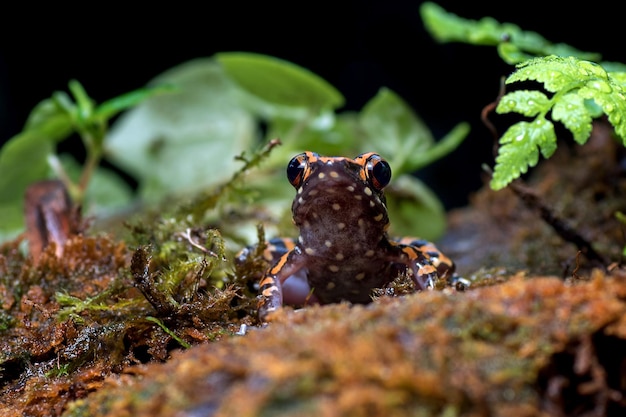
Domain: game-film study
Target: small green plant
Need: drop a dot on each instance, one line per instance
(579, 90)
(31, 155)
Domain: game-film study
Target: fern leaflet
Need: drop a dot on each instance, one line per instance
(582, 90)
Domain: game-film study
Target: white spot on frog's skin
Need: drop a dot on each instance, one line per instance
(330, 285)
(300, 240)
(306, 224)
(313, 192)
(369, 253)
(339, 256)
(359, 276)
(328, 243)
(378, 217)
(300, 200)
(321, 175)
(367, 191)
(358, 196)
(309, 251)
(334, 174)
(300, 190)
(350, 188)
(372, 203)
(361, 223)
(336, 207)
(341, 225)
(333, 268)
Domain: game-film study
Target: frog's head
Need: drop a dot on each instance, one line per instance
(340, 195)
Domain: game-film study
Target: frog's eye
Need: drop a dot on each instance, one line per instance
(378, 171)
(296, 169)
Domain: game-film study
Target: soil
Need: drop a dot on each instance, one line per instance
(115, 327)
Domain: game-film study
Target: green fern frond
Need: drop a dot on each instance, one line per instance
(582, 90)
(520, 149)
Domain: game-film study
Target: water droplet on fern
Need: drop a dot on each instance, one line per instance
(600, 85)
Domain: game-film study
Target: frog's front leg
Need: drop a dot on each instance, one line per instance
(272, 285)
(423, 272)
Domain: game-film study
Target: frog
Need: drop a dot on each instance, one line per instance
(343, 251)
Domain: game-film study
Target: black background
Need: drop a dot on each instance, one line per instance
(357, 46)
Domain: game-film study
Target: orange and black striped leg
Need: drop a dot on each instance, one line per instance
(424, 272)
(271, 285)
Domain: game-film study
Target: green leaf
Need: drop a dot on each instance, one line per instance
(586, 79)
(441, 148)
(611, 97)
(330, 134)
(50, 121)
(279, 82)
(84, 103)
(185, 141)
(414, 209)
(554, 72)
(394, 130)
(112, 107)
(23, 160)
(514, 44)
(520, 146)
(527, 102)
(572, 111)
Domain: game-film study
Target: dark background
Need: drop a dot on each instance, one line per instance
(358, 46)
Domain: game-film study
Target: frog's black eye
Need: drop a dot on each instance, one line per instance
(296, 169)
(378, 172)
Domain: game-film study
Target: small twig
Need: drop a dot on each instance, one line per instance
(532, 201)
(187, 235)
(484, 116)
(575, 271)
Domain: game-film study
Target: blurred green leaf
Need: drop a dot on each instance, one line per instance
(187, 140)
(414, 210)
(279, 82)
(444, 146)
(23, 160)
(84, 103)
(49, 120)
(393, 129)
(514, 44)
(112, 107)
